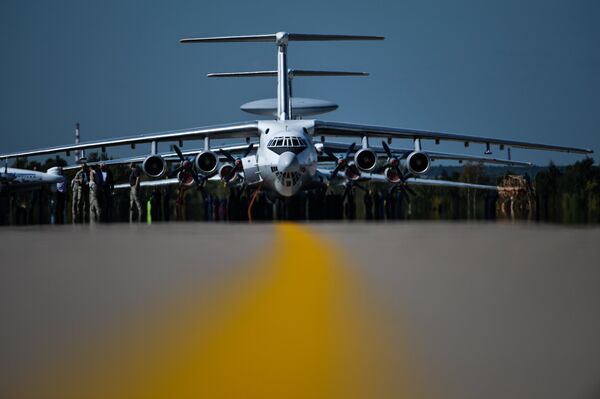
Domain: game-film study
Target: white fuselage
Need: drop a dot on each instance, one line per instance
(286, 157)
(24, 178)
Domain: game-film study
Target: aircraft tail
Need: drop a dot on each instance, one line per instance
(281, 40)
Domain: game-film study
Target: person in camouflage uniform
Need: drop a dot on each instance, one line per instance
(134, 200)
(94, 194)
(80, 189)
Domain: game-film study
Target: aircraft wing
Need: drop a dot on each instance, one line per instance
(474, 158)
(342, 147)
(168, 156)
(149, 183)
(236, 130)
(322, 128)
(159, 182)
(415, 181)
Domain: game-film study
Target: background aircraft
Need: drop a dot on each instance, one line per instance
(14, 179)
(290, 154)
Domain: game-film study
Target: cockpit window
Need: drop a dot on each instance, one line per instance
(287, 143)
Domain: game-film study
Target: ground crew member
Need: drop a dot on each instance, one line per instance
(134, 182)
(80, 188)
(94, 194)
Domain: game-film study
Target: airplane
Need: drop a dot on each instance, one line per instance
(283, 155)
(14, 179)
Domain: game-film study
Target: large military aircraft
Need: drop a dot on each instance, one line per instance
(288, 154)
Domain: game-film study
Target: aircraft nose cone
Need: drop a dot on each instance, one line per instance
(288, 162)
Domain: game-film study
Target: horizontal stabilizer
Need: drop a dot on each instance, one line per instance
(242, 74)
(301, 37)
(278, 37)
(292, 73)
(301, 72)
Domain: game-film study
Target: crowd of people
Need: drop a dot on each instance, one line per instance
(93, 198)
(93, 191)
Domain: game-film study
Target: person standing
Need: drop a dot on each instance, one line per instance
(107, 187)
(61, 194)
(368, 200)
(80, 188)
(94, 194)
(35, 201)
(378, 205)
(134, 183)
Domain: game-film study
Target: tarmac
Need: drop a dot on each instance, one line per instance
(412, 309)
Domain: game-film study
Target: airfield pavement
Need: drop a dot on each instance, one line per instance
(429, 310)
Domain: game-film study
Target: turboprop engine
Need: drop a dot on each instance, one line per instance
(352, 173)
(154, 166)
(417, 163)
(206, 163)
(227, 172)
(365, 159)
(392, 175)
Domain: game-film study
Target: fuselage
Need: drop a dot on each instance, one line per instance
(24, 178)
(286, 156)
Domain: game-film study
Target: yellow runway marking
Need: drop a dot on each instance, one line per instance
(299, 328)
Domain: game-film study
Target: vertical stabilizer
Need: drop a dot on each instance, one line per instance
(281, 39)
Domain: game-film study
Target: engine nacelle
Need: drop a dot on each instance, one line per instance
(207, 162)
(225, 170)
(417, 163)
(154, 166)
(392, 175)
(352, 172)
(365, 159)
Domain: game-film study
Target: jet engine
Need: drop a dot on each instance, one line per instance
(206, 162)
(227, 173)
(417, 163)
(154, 166)
(365, 159)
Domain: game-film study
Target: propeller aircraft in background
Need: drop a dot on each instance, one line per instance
(288, 153)
(14, 179)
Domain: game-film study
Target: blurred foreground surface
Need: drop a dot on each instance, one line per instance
(300, 310)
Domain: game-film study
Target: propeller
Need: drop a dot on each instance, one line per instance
(393, 162)
(237, 162)
(188, 166)
(341, 162)
(404, 191)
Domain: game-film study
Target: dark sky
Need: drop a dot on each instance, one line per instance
(512, 69)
